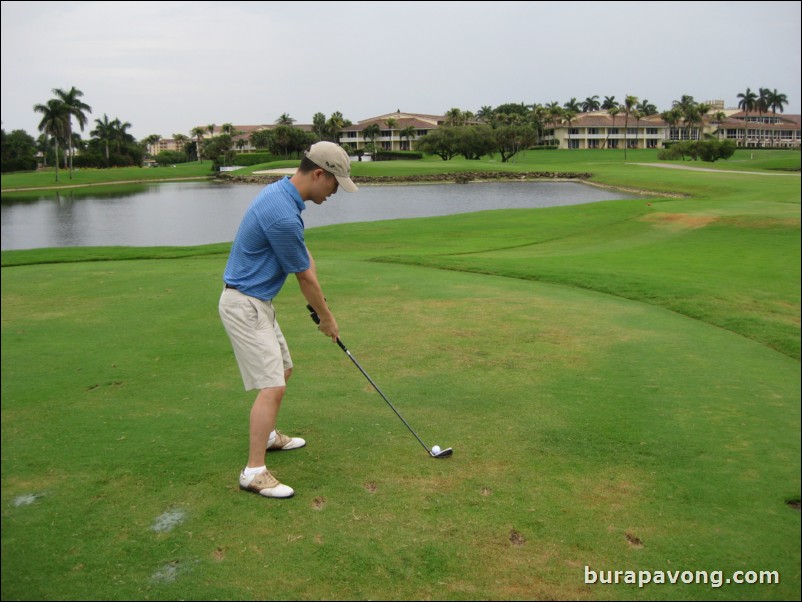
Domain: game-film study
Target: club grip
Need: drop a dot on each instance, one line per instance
(316, 319)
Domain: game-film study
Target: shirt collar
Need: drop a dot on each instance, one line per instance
(293, 191)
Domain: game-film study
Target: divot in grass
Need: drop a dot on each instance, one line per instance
(167, 573)
(168, 521)
(171, 571)
(634, 541)
(27, 499)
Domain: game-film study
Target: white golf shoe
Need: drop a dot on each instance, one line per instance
(265, 484)
(280, 441)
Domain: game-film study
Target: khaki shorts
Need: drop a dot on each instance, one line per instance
(258, 343)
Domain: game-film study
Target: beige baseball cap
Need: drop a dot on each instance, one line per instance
(333, 158)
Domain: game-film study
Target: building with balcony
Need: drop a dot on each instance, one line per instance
(600, 130)
(759, 130)
(594, 130)
(396, 131)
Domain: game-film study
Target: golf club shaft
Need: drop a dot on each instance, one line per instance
(384, 397)
(316, 319)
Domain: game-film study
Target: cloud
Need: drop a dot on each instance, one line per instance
(169, 66)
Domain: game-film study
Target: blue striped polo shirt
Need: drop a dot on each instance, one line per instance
(270, 242)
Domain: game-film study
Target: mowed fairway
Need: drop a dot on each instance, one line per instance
(620, 383)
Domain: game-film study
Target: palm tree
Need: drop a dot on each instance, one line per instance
(229, 129)
(630, 102)
(762, 108)
(55, 122)
(702, 109)
(569, 115)
(454, 116)
(370, 133)
(197, 133)
(613, 111)
(646, 108)
(636, 115)
(591, 104)
(718, 117)
(747, 103)
(42, 147)
(103, 131)
(75, 107)
(537, 117)
(285, 119)
(572, 105)
(319, 124)
(392, 123)
(777, 100)
(609, 103)
(407, 133)
(121, 136)
(282, 137)
(485, 114)
(686, 105)
(335, 123)
(554, 113)
(672, 117)
(181, 142)
(151, 141)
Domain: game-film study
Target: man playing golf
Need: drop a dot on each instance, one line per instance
(268, 247)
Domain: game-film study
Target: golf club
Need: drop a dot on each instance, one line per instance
(440, 453)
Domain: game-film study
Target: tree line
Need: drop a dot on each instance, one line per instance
(110, 144)
(511, 127)
(505, 129)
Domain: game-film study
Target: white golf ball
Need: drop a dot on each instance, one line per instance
(436, 449)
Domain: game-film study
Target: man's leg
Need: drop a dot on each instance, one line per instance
(263, 422)
(256, 477)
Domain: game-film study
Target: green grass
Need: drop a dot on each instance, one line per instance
(529, 161)
(94, 177)
(620, 382)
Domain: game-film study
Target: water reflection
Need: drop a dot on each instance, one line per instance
(194, 213)
(66, 196)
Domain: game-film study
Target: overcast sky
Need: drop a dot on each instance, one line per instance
(167, 67)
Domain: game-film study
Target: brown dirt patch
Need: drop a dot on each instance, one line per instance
(634, 541)
(516, 538)
(684, 220)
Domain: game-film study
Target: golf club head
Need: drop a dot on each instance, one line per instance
(442, 454)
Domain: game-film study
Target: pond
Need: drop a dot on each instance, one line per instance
(196, 213)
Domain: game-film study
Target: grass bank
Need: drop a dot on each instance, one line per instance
(620, 382)
(46, 179)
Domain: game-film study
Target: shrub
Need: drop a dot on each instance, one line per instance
(170, 157)
(386, 155)
(246, 159)
(712, 150)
